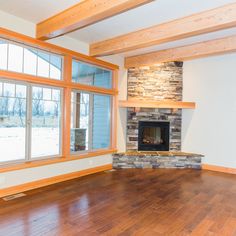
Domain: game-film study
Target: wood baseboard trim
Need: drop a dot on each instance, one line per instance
(52, 180)
(219, 169)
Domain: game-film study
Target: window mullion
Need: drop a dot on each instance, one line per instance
(28, 122)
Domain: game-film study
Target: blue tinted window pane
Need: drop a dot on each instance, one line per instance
(101, 121)
(55, 67)
(91, 75)
(43, 64)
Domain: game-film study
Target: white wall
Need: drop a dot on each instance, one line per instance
(210, 129)
(13, 178)
(122, 112)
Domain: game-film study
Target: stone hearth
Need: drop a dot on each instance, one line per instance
(156, 160)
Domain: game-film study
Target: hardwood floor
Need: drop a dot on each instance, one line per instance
(127, 202)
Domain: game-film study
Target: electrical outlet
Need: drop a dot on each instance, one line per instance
(2, 180)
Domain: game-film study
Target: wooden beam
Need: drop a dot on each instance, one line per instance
(193, 51)
(205, 22)
(83, 14)
(156, 104)
(11, 35)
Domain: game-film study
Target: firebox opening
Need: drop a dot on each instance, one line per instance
(153, 136)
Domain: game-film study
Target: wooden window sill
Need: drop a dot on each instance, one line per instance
(36, 163)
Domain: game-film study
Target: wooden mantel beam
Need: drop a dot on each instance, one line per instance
(193, 51)
(83, 14)
(208, 21)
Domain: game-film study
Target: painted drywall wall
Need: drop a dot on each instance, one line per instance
(122, 112)
(210, 129)
(24, 27)
(13, 178)
(18, 177)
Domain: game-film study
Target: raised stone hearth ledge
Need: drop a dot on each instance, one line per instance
(160, 159)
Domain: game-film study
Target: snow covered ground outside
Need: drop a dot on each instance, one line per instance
(45, 142)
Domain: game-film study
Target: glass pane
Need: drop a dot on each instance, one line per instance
(91, 75)
(47, 94)
(55, 67)
(1, 88)
(30, 61)
(20, 91)
(45, 125)
(12, 126)
(56, 95)
(101, 121)
(9, 90)
(80, 121)
(43, 64)
(15, 58)
(3, 55)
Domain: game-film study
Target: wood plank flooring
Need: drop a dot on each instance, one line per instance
(127, 202)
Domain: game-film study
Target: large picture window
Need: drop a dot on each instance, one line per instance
(29, 121)
(53, 103)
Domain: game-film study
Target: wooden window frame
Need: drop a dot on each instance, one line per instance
(67, 85)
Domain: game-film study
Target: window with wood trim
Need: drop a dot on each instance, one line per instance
(53, 102)
(85, 73)
(30, 121)
(24, 59)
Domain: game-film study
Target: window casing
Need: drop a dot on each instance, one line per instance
(30, 74)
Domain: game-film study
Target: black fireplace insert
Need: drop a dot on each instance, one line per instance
(153, 136)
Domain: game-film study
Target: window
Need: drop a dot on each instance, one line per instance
(12, 121)
(90, 121)
(34, 122)
(91, 75)
(46, 113)
(29, 121)
(15, 57)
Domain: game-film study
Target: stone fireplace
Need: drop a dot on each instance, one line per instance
(154, 135)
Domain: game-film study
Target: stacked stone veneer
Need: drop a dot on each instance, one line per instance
(158, 82)
(156, 160)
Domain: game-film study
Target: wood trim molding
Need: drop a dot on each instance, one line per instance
(67, 85)
(37, 163)
(157, 104)
(20, 38)
(184, 53)
(205, 22)
(56, 83)
(83, 14)
(219, 169)
(52, 180)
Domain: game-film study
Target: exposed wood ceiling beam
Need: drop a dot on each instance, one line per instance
(200, 23)
(83, 14)
(193, 51)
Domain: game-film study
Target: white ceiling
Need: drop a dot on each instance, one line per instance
(156, 12)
